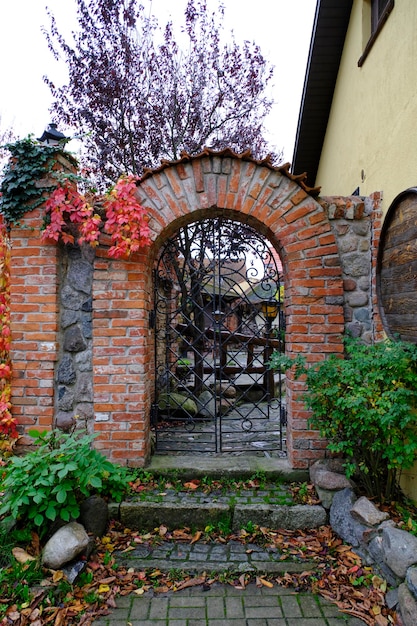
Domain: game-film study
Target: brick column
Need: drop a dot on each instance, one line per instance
(122, 357)
(34, 311)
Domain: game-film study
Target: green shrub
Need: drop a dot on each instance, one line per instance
(51, 481)
(365, 406)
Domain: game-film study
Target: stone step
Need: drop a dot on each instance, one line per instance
(147, 515)
(232, 557)
(221, 466)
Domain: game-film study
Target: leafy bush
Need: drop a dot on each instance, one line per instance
(365, 406)
(51, 481)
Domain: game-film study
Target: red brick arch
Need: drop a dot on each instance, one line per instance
(274, 203)
(211, 184)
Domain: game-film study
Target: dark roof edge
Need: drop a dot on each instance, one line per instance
(330, 26)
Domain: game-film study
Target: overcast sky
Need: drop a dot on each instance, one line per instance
(282, 28)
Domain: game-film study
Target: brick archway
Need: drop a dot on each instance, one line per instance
(279, 207)
(82, 342)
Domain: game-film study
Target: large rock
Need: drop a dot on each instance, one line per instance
(64, 545)
(177, 402)
(74, 340)
(366, 512)
(206, 402)
(400, 550)
(408, 606)
(331, 480)
(412, 580)
(341, 520)
(94, 515)
(376, 552)
(328, 476)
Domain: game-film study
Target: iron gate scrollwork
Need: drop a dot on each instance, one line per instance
(218, 316)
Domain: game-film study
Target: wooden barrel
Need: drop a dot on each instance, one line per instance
(397, 268)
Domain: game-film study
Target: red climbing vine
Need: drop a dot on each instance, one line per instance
(66, 206)
(70, 217)
(8, 425)
(124, 219)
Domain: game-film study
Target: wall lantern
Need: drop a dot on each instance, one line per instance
(270, 310)
(217, 314)
(52, 136)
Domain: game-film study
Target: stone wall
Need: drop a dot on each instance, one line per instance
(74, 371)
(355, 222)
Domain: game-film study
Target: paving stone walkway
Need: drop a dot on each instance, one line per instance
(223, 605)
(211, 557)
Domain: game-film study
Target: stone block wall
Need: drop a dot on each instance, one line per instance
(356, 223)
(74, 372)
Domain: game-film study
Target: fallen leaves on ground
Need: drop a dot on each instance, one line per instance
(338, 576)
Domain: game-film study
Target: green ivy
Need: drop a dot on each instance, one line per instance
(51, 481)
(366, 407)
(21, 187)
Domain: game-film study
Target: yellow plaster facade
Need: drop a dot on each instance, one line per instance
(371, 137)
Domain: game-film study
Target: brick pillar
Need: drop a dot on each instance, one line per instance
(122, 357)
(34, 311)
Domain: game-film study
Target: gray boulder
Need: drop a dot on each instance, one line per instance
(94, 515)
(326, 478)
(341, 520)
(400, 550)
(407, 605)
(177, 402)
(64, 545)
(367, 513)
(207, 404)
(412, 580)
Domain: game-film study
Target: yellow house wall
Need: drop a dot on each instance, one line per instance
(371, 138)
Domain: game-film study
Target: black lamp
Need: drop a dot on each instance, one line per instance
(217, 314)
(270, 309)
(52, 136)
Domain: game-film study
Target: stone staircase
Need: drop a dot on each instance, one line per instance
(270, 506)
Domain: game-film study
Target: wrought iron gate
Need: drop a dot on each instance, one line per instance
(217, 319)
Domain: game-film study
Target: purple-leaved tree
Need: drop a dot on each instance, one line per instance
(137, 95)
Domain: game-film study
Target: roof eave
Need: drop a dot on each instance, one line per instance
(330, 26)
